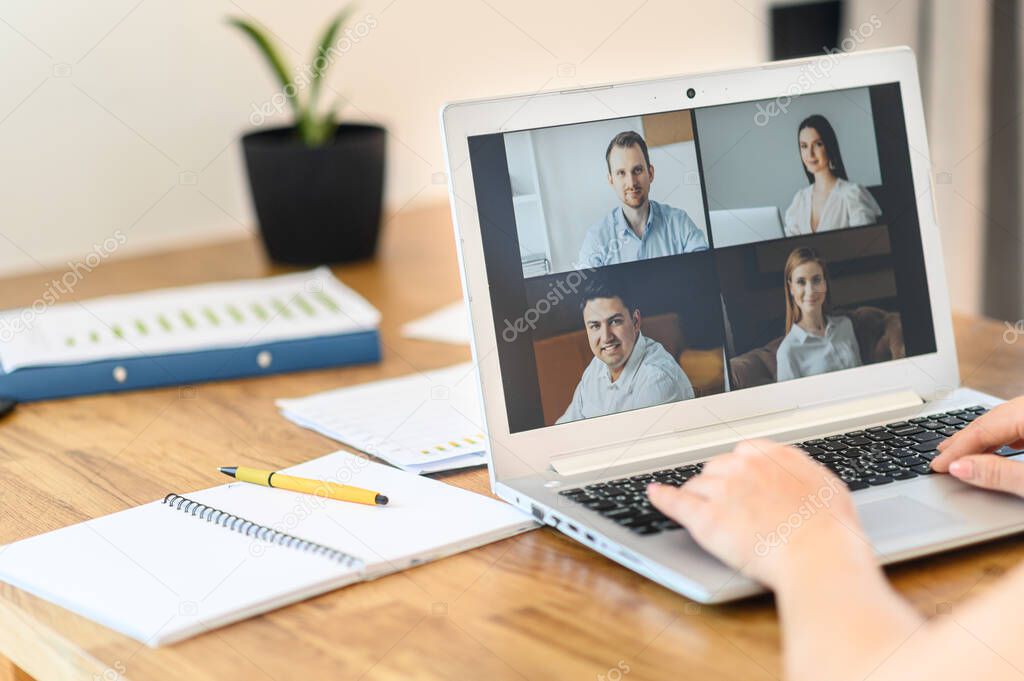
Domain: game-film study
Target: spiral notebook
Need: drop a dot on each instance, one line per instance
(192, 562)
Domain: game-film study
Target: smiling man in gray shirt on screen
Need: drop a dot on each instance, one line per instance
(629, 370)
(638, 228)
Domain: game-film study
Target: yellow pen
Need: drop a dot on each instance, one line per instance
(319, 488)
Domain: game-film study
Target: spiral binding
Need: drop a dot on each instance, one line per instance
(261, 532)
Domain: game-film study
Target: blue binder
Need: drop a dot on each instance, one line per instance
(113, 375)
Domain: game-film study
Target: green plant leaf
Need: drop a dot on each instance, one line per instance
(321, 130)
(317, 137)
(274, 58)
(330, 119)
(307, 128)
(319, 67)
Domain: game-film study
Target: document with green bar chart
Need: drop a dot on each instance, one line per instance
(423, 422)
(188, 319)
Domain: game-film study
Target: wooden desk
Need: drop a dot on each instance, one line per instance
(531, 607)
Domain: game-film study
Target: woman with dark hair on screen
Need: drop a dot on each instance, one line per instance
(815, 341)
(830, 201)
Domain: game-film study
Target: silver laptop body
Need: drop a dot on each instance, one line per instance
(543, 393)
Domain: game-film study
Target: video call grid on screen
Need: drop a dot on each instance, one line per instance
(640, 261)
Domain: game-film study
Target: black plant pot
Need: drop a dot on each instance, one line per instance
(317, 205)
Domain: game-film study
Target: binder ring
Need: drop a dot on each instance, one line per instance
(252, 529)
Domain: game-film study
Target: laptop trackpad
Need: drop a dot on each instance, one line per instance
(900, 515)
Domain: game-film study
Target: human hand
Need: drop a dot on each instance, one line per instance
(761, 507)
(968, 454)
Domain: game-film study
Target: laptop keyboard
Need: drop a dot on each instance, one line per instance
(871, 457)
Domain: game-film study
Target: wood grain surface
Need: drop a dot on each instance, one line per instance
(537, 606)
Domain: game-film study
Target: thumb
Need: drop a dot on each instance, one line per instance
(991, 472)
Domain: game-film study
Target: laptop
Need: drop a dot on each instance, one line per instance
(601, 376)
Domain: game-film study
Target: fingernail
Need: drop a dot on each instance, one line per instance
(962, 469)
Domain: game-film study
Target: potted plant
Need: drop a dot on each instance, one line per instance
(316, 185)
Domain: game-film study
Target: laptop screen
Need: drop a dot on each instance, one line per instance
(644, 260)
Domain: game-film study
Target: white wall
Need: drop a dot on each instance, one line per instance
(677, 180)
(956, 109)
(124, 114)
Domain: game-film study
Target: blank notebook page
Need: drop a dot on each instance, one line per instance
(424, 519)
(160, 574)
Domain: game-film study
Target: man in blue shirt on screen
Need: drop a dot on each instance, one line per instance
(639, 228)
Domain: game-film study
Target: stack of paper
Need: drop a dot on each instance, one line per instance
(450, 324)
(424, 422)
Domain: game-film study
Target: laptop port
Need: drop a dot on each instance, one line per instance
(538, 512)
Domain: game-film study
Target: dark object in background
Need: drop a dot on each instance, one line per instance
(6, 406)
(805, 29)
(1002, 276)
(317, 205)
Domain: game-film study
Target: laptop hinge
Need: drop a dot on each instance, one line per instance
(794, 423)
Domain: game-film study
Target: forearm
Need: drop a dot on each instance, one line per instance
(840, 618)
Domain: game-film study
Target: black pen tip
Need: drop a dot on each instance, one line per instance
(381, 500)
(228, 470)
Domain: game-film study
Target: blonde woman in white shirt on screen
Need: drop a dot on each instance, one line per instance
(830, 201)
(815, 341)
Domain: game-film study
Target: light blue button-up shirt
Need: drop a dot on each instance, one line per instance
(651, 376)
(669, 231)
(803, 354)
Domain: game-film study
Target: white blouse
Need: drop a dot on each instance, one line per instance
(847, 205)
(803, 354)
